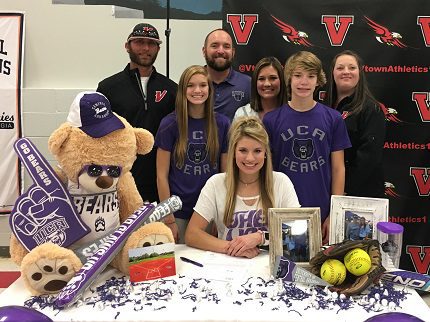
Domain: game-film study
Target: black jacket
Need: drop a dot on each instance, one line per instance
(363, 161)
(124, 91)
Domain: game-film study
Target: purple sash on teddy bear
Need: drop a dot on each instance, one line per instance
(45, 212)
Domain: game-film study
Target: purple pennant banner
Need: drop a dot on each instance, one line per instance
(45, 212)
(289, 271)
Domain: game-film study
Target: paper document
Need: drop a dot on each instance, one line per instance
(221, 267)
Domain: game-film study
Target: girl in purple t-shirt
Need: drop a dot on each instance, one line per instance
(192, 146)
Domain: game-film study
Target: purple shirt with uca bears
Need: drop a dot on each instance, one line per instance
(302, 143)
(233, 92)
(188, 181)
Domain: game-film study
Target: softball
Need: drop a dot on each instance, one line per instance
(333, 271)
(357, 262)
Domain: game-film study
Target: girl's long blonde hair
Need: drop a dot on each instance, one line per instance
(253, 128)
(181, 109)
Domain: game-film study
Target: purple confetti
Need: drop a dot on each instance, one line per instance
(118, 292)
(295, 311)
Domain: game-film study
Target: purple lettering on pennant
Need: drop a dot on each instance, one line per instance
(45, 212)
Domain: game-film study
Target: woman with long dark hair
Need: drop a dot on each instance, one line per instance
(349, 94)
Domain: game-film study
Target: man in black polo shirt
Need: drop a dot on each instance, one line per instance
(142, 96)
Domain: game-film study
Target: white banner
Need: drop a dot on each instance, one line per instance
(11, 58)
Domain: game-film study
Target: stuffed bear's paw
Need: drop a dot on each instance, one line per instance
(49, 274)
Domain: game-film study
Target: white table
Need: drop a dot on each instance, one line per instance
(198, 304)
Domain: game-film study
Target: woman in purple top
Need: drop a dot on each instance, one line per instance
(192, 146)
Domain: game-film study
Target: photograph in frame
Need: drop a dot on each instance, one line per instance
(355, 218)
(294, 233)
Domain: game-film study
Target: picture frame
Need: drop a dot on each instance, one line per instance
(294, 233)
(348, 211)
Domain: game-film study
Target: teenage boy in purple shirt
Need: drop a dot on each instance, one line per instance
(308, 138)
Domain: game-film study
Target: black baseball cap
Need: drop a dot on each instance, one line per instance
(145, 31)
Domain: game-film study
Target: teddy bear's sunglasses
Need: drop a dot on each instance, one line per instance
(94, 170)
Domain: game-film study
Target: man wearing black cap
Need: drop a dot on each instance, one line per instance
(143, 96)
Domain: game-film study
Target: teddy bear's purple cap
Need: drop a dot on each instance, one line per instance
(92, 113)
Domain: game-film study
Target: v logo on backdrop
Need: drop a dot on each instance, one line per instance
(337, 27)
(242, 26)
(420, 256)
(422, 180)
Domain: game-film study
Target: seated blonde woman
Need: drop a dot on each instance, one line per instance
(238, 200)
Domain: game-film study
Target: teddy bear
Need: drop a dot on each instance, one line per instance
(95, 150)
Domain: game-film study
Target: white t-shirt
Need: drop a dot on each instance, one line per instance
(246, 219)
(100, 211)
(245, 110)
(144, 81)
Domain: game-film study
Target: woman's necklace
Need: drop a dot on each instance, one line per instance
(248, 183)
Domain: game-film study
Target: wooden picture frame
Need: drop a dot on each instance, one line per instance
(303, 225)
(347, 211)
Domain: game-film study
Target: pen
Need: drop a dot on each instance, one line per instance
(187, 260)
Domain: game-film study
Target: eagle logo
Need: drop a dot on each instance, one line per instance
(385, 36)
(390, 190)
(291, 35)
(389, 113)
